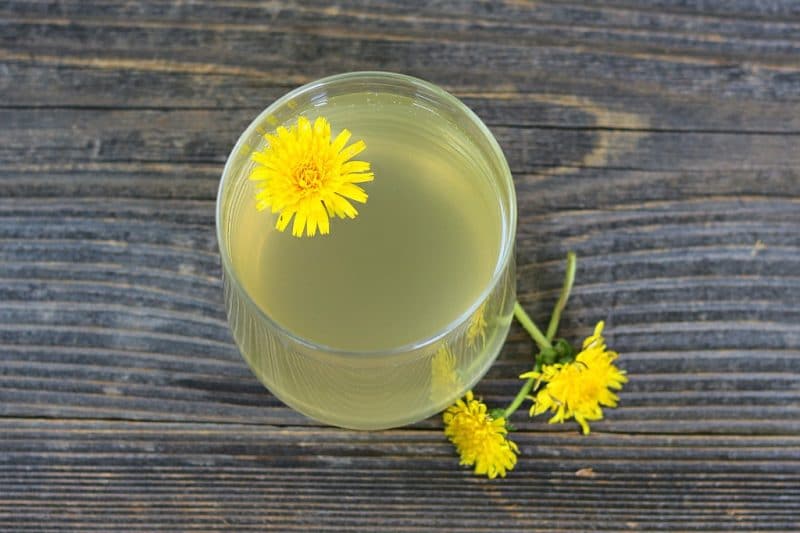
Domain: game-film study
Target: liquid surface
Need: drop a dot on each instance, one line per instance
(421, 251)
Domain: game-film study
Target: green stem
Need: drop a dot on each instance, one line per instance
(569, 279)
(526, 322)
(542, 341)
(519, 398)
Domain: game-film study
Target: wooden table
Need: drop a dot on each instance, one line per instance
(661, 143)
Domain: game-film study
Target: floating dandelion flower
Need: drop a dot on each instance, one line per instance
(304, 174)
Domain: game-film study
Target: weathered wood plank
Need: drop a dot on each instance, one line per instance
(688, 72)
(511, 21)
(29, 82)
(49, 136)
(198, 476)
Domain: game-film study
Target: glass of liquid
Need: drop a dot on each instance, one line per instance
(396, 313)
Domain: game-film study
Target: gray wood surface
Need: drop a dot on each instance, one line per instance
(660, 140)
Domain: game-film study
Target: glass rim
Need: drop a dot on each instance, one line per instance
(507, 245)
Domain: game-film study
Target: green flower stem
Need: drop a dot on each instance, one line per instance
(569, 279)
(541, 340)
(519, 398)
(526, 322)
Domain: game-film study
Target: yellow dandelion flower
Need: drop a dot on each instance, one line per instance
(579, 389)
(477, 326)
(303, 174)
(445, 381)
(480, 439)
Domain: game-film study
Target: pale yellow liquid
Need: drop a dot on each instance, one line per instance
(421, 251)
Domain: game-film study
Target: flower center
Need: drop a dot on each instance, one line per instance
(307, 176)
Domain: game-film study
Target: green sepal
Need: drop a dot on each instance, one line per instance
(560, 352)
(500, 413)
(497, 413)
(565, 353)
(547, 356)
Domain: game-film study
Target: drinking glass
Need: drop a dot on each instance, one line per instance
(356, 388)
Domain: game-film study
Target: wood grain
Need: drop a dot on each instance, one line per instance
(659, 140)
(208, 476)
